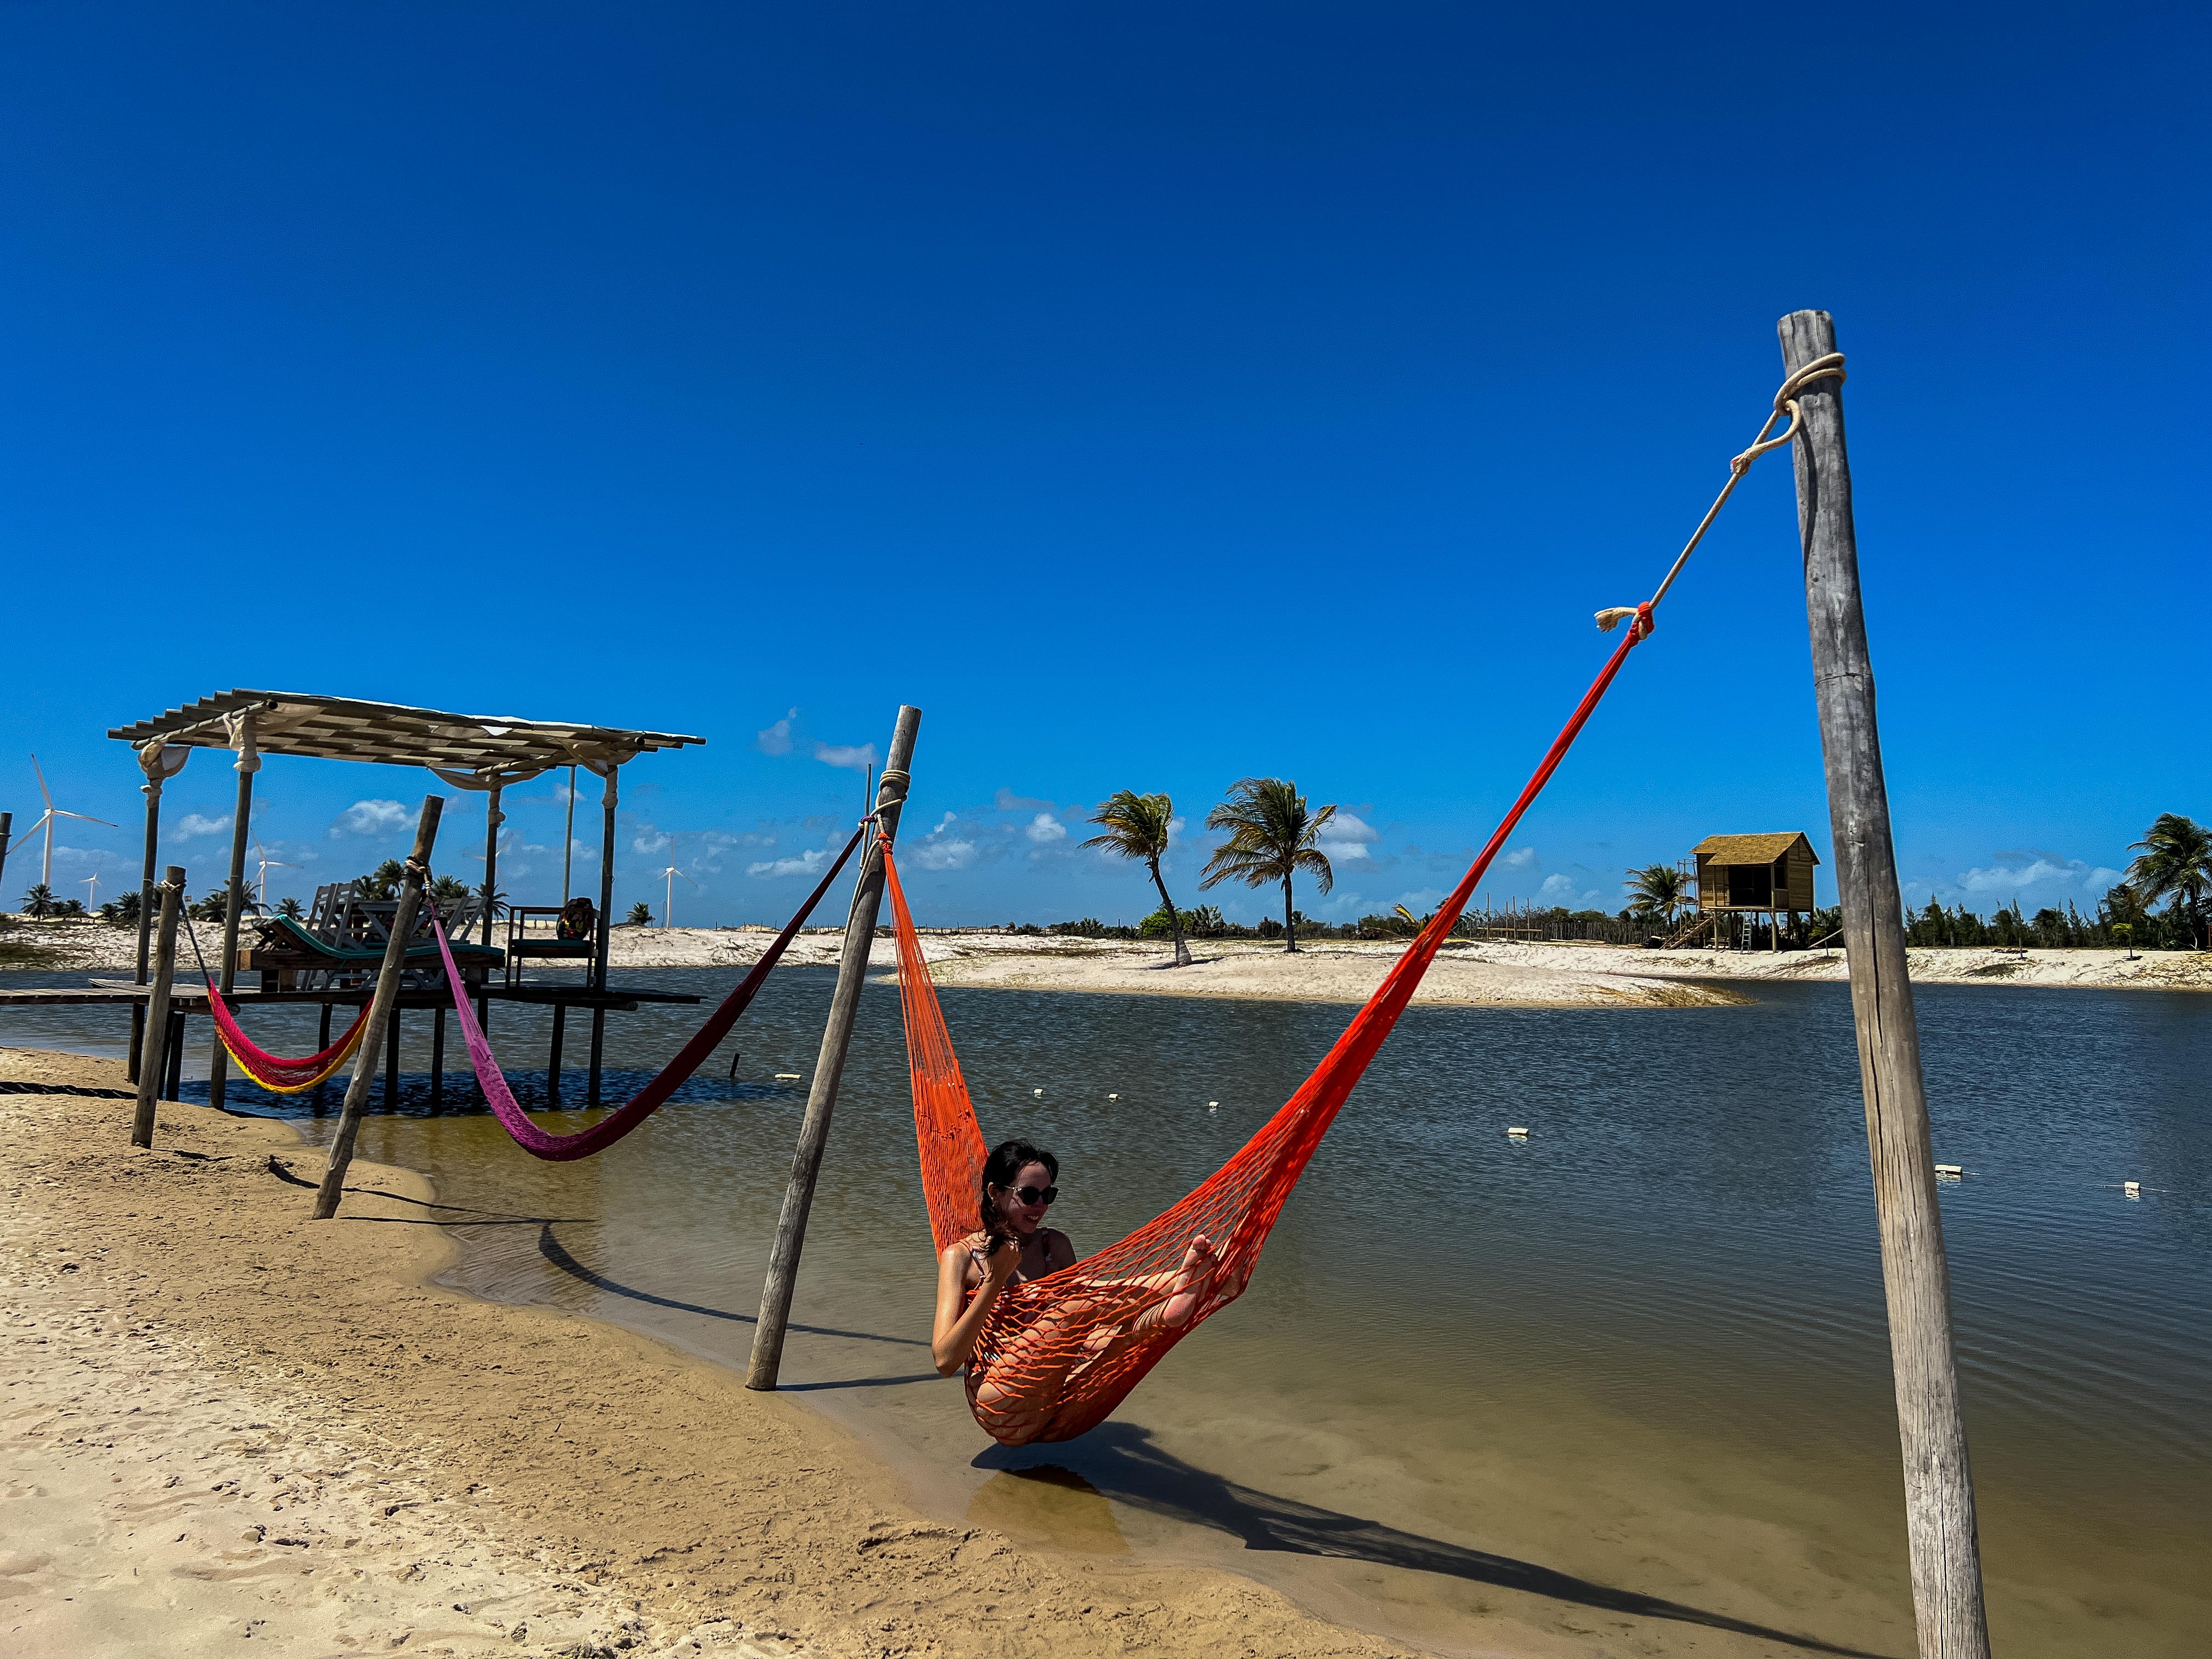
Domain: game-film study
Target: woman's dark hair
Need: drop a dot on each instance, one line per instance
(1007, 1160)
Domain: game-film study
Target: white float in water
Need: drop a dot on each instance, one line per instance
(1039, 1092)
(1517, 1133)
(1113, 1096)
(1953, 1171)
(789, 1077)
(2132, 1189)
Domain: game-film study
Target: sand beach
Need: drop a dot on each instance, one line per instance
(1466, 974)
(226, 1422)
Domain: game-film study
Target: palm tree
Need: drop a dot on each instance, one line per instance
(1271, 838)
(291, 908)
(1137, 828)
(449, 894)
(38, 903)
(2176, 859)
(381, 882)
(1656, 889)
(641, 914)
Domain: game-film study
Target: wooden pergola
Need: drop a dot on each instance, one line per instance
(486, 752)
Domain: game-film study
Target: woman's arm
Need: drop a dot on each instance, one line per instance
(953, 1337)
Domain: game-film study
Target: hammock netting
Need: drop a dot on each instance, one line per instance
(1057, 1354)
(274, 1073)
(608, 1130)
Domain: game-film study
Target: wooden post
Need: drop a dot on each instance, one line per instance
(379, 1010)
(493, 818)
(154, 1041)
(172, 1068)
(438, 1057)
(7, 835)
(241, 825)
(392, 1061)
(568, 839)
(148, 898)
(553, 1056)
(1939, 1483)
(830, 1065)
(607, 800)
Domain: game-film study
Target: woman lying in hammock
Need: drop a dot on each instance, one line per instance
(1017, 1377)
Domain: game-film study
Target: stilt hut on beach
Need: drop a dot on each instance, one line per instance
(482, 752)
(1755, 876)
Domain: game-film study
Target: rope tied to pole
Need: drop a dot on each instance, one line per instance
(1829, 368)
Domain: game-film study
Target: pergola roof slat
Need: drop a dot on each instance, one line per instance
(345, 728)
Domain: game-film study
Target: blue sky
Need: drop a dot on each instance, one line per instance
(1153, 395)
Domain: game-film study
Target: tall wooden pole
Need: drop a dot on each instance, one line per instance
(379, 1010)
(569, 839)
(154, 1040)
(241, 826)
(493, 818)
(154, 761)
(1938, 1481)
(830, 1065)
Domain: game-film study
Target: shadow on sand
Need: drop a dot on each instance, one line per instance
(1120, 1461)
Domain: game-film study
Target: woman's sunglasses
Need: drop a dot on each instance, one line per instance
(1033, 1194)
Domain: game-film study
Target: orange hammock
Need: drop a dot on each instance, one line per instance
(1059, 1353)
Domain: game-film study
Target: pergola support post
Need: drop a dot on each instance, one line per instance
(241, 826)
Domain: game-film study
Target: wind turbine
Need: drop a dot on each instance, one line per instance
(268, 864)
(46, 821)
(668, 904)
(91, 884)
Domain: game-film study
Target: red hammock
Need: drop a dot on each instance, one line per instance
(559, 1148)
(274, 1073)
(1058, 1354)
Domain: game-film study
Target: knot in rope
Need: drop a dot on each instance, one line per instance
(1828, 368)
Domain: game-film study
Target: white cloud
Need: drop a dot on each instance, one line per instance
(1175, 827)
(1559, 889)
(1045, 828)
(95, 857)
(370, 818)
(1007, 801)
(649, 840)
(2039, 870)
(1519, 859)
(194, 824)
(844, 754)
(805, 864)
(776, 739)
(1345, 837)
(942, 849)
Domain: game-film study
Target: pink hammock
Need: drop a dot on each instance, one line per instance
(559, 1148)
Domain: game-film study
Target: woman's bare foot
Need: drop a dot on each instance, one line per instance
(1200, 1264)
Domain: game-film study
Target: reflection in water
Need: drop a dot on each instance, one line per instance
(1645, 1349)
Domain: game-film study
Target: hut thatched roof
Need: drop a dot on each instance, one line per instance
(1750, 849)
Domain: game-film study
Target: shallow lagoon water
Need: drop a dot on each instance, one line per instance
(1627, 1380)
